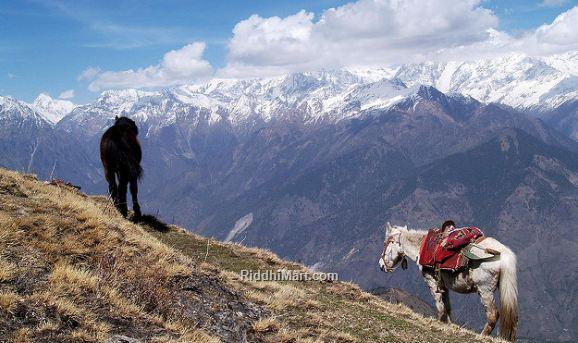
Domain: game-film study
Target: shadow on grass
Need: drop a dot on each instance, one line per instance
(152, 222)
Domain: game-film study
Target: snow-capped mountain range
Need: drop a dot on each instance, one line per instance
(516, 80)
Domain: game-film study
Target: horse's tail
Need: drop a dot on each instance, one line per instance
(131, 165)
(508, 296)
(122, 158)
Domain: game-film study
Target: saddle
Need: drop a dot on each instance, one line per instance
(447, 253)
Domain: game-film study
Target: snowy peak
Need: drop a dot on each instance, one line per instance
(15, 112)
(122, 99)
(52, 109)
(567, 63)
(375, 95)
(374, 74)
(516, 80)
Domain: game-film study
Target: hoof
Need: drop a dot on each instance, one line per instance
(123, 210)
(137, 212)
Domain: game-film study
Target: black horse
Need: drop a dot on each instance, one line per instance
(120, 153)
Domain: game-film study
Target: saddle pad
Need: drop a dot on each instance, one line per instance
(433, 255)
(458, 238)
(450, 256)
(428, 247)
(452, 263)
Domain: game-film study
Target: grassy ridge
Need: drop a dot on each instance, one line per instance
(311, 311)
(73, 270)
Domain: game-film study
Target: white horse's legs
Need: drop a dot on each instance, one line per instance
(487, 297)
(441, 297)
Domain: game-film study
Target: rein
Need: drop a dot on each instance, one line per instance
(390, 256)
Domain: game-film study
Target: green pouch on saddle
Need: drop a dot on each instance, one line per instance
(476, 252)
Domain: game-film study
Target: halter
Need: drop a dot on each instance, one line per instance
(391, 239)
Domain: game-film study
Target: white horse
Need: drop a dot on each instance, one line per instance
(482, 277)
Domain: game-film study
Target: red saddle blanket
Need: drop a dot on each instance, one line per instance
(439, 253)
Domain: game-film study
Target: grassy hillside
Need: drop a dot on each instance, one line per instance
(73, 270)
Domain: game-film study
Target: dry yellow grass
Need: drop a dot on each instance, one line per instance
(9, 300)
(82, 272)
(73, 270)
(266, 325)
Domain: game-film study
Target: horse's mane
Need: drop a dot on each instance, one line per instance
(412, 235)
(415, 236)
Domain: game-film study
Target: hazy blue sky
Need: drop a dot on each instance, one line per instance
(46, 45)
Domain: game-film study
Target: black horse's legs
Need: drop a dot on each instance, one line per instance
(122, 187)
(112, 188)
(447, 306)
(134, 192)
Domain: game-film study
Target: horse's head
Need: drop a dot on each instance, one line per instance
(392, 249)
(126, 122)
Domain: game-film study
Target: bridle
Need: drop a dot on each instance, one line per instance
(391, 239)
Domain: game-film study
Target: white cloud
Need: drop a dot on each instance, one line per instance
(561, 35)
(558, 37)
(88, 74)
(382, 32)
(273, 41)
(68, 94)
(358, 33)
(181, 66)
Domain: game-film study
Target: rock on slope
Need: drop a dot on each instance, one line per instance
(72, 270)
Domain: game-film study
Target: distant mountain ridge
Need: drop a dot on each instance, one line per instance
(516, 80)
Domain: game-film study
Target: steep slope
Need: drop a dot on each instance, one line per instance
(72, 270)
(398, 296)
(522, 192)
(565, 118)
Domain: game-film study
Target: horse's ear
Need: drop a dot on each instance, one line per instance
(116, 118)
(387, 228)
